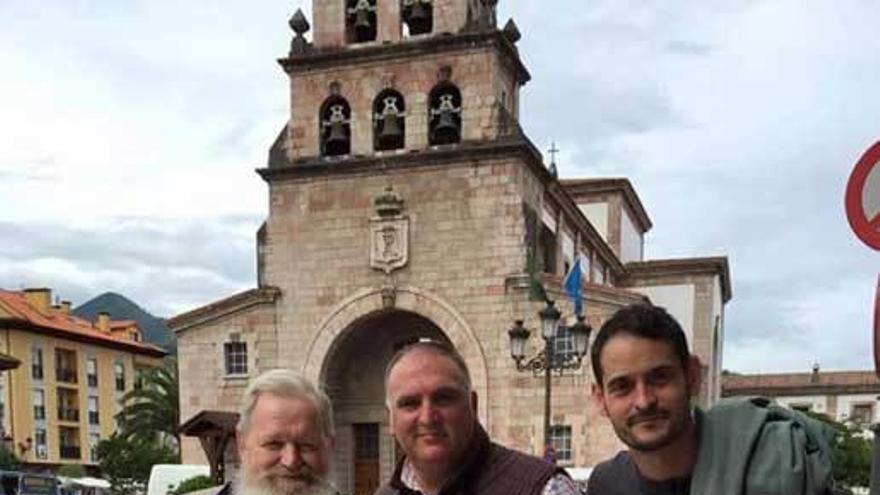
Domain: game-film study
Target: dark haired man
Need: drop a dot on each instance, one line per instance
(645, 380)
(432, 409)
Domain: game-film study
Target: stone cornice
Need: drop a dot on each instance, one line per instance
(316, 59)
(576, 187)
(684, 266)
(466, 152)
(592, 292)
(223, 307)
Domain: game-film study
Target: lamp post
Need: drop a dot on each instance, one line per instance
(549, 361)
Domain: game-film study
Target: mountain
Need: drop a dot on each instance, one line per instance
(121, 308)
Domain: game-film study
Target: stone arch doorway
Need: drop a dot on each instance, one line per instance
(353, 376)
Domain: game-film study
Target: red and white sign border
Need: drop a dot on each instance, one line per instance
(868, 230)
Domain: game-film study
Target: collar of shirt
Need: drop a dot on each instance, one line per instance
(410, 480)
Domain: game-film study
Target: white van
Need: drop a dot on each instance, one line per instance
(166, 477)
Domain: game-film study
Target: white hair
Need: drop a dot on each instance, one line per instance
(286, 383)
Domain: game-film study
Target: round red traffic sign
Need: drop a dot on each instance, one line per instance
(863, 198)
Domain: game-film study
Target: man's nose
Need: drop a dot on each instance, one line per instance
(427, 413)
(645, 396)
(290, 457)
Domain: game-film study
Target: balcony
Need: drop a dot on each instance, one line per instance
(93, 418)
(37, 371)
(68, 414)
(65, 375)
(93, 380)
(70, 452)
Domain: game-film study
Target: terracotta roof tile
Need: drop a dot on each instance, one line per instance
(781, 383)
(16, 304)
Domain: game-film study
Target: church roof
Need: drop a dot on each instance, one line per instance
(222, 307)
(717, 265)
(793, 384)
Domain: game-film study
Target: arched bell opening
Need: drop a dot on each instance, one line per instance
(417, 16)
(444, 119)
(335, 128)
(389, 122)
(353, 373)
(361, 21)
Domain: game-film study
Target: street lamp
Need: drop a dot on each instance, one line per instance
(548, 361)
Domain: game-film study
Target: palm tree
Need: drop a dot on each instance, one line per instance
(151, 411)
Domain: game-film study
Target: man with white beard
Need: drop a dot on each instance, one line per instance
(285, 438)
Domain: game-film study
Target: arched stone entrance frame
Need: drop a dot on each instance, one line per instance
(423, 303)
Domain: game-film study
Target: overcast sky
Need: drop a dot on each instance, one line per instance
(130, 131)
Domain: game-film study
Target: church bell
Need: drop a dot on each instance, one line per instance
(362, 20)
(419, 18)
(447, 130)
(337, 142)
(391, 134)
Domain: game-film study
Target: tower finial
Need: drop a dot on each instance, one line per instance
(553, 152)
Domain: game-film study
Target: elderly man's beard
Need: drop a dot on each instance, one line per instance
(302, 482)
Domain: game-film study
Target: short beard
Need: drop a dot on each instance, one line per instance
(678, 422)
(246, 484)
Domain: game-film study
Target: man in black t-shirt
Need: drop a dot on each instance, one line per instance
(645, 379)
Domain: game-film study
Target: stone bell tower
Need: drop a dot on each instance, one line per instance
(391, 77)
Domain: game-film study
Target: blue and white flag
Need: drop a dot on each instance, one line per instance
(574, 286)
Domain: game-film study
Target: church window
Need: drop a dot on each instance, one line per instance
(360, 20)
(418, 16)
(547, 249)
(389, 125)
(335, 127)
(445, 115)
(235, 357)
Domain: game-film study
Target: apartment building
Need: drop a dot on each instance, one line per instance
(63, 398)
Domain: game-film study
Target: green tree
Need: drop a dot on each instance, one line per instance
(192, 484)
(152, 410)
(127, 462)
(8, 460)
(851, 455)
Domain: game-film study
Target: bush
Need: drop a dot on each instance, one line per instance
(71, 471)
(8, 460)
(190, 485)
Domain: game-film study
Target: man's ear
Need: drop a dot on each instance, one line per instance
(694, 375)
(598, 398)
(239, 442)
(389, 418)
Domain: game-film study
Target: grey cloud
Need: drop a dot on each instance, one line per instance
(164, 264)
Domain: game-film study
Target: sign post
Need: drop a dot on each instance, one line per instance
(875, 465)
(863, 213)
(877, 329)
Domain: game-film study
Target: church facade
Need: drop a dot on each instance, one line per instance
(406, 202)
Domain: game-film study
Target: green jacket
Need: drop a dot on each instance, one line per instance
(756, 447)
